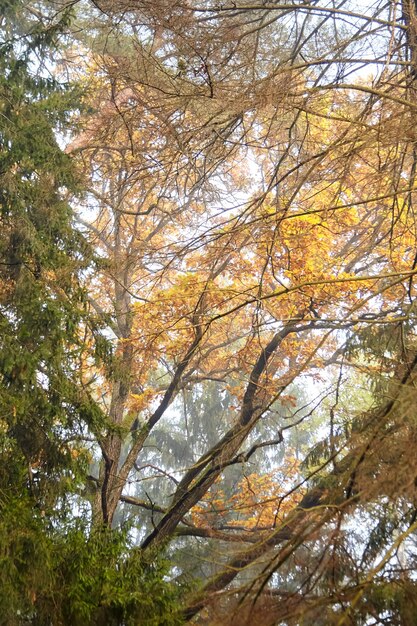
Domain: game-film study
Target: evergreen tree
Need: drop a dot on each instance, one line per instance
(52, 569)
(41, 304)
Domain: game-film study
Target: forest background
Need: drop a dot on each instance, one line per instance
(207, 320)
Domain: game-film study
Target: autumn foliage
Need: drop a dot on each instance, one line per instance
(208, 261)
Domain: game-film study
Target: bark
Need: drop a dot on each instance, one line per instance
(201, 477)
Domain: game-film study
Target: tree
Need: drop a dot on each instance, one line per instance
(329, 195)
(250, 196)
(41, 306)
(52, 566)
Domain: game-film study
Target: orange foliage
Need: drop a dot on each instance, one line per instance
(259, 502)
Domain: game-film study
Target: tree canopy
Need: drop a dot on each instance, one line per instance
(208, 346)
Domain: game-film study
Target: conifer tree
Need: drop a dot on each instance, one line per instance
(52, 568)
